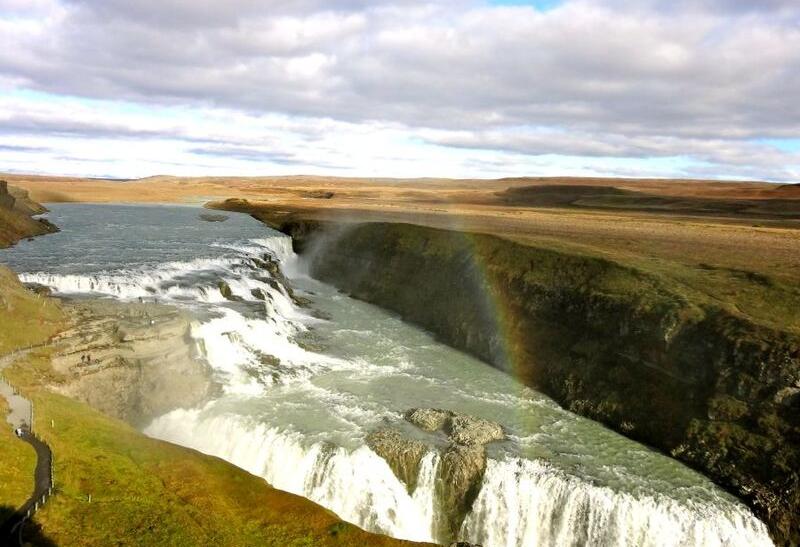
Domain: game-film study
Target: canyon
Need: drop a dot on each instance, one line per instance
(666, 310)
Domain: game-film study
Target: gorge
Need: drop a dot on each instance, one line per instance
(307, 378)
(629, 349)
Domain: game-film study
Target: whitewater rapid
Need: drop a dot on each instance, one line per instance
(303, 385)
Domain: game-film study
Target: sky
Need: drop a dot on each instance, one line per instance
(401, 88)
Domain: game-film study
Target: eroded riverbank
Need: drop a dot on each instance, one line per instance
(133, 361)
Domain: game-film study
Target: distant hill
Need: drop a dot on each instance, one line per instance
(783, 203)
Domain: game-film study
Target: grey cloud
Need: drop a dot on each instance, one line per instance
(708, 70)
(259, 155)
(243, 153)
(24, 124)
(717, 151)
(69, 126)
(21, 148)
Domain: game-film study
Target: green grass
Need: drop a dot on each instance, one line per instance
(740, 283)
(20, 325)
(148, 492)
(25, 318)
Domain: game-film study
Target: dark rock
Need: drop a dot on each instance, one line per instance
(460, 428)
(462, 464)
(277, 280)
(301, 301)
(459, 478)
(468, 430)
(271, 265)
(211, 217)
(42, 290)
(7, 201)
(461, 472)
(258, 294)
(403, 455)
(226, 292)
(428, 419)
(317, 194)
(17, 216)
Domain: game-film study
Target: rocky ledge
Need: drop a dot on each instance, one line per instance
(461, 447)
(131, 361)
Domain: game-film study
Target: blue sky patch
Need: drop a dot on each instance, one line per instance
(786, 145)
(542, 5)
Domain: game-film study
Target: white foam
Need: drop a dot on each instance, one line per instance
(527, 502)
(521, 502)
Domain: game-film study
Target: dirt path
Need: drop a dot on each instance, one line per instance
(20, 413)
(20, 418)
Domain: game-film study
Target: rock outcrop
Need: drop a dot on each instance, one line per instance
(608, 341)
(462, 459)
(428, 419)
(460, 475)
(403, 455)
(130, 361)
(16, 216)
(460, 428)
(211, 217)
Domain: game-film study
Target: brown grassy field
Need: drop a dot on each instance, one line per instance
(734, 243)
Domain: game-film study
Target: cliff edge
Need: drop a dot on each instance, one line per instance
(17, 213)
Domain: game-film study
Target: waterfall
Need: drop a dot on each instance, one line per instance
(521, 502)
(527, 502)
(358, 485)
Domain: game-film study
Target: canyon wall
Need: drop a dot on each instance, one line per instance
(131, 361)
(607, 341)
(16, 216)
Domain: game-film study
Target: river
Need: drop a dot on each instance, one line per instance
(302, 386)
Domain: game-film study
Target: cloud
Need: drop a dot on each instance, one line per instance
(258, 155)
(536, 143)
(22, 148)
(591, 78)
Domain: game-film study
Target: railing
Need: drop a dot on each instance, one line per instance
(41, 500)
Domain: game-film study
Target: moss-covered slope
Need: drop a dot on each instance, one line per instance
(611, 342)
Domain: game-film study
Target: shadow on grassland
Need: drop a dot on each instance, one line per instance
(32, 533)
